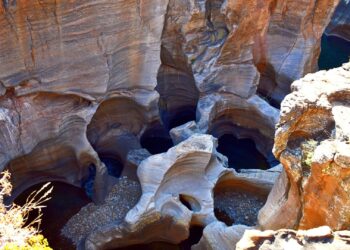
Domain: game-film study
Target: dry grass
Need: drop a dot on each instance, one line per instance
(16, 232)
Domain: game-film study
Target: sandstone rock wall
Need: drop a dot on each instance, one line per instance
(82, 78)
(340, 22)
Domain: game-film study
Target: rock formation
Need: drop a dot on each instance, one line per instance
(317, 238)
(87, 83)
(65, 66)
(312, 143)
(340, 22)
(169, 205)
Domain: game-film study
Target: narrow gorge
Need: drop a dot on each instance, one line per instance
(179, 124)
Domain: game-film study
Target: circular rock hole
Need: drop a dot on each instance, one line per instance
(237, 203)
(241, 153)
(66, 200)
(334, 52)
(179, 117)
(113, 164)
(190, 202)
(156, 140)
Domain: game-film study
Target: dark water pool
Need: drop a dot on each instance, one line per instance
(156, 140)
(241, 153)
(334, 52)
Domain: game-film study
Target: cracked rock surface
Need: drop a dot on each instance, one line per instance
(312, 143)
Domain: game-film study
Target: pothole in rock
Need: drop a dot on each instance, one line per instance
(156, 140)
(334, 52)
(238, 202)
(179, 117)
(113, 164)
(66, 201)
(241, 153)
(196, 233)
(123, 196)
(114, 167)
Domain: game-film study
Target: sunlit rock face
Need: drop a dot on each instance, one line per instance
(317, 238)
(64, 66)
(169, 206)
(111, 86)
(312, 143)
(82, 81)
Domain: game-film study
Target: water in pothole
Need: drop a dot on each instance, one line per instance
(196, 233)
(334, 52)
(156, 140)
(241, 153)
(66, 201)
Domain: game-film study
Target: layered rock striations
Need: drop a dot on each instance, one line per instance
(64, 67)
(177, 194)
(340, 22)
(85, 82)
(80, 60)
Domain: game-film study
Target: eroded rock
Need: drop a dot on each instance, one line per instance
(317, 238)
(312, 143)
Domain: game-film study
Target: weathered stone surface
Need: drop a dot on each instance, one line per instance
(217, 236)
(312, 143)
(291, 46)
(183, 132)
(317, 238)
(169, 204)
(253, 118)
(84, 48)
(340, 22)
(122, 197)
(88, 62)
(69, 70)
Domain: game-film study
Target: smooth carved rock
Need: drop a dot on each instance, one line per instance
(169, 205)
(166, 179)
(227, 49)
(217, 236)
(340, 22)
(77, 79)
(312, 143)
(291, 46)
(318, 238)
(69, 71)
(253, 118)
(86, 48)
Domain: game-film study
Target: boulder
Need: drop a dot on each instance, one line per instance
(312, 143)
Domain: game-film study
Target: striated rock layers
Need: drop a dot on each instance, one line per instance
(340, 22)
(77, 79)
(177, 194)
(81, 81)
(312, 143)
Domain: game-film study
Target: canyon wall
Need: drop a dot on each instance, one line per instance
(84, 79)
(340, 22)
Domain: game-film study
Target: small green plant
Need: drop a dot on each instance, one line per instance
(307, 149)
(16, 232)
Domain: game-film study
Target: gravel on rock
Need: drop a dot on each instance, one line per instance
(123, 196)
(237, 207)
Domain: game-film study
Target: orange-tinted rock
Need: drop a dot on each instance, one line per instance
(312, 143)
